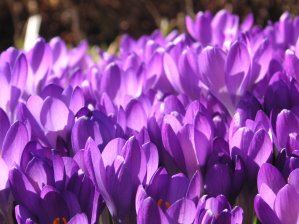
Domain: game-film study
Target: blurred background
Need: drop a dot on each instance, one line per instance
(102, 21)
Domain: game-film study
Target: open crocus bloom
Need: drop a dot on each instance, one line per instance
(168, 199)
(52, 190)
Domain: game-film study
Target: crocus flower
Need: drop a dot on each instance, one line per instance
(51, 189)
(117, 172)
(217, 210)
(230, 170)
(168, 199)
(277, 201)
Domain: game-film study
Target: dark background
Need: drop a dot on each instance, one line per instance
(101, 21)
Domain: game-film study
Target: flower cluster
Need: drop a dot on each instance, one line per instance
(197, 127)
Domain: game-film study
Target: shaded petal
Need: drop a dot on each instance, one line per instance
(177, 188)
(294, 179)
(53, 204)
(23, 215)
(23, 191)
(215, 187)
(149, 212)
(159, 185)
(40, 58)
(81, 131)
(5, 124)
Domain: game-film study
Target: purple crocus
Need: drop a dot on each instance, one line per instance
(217, 210)
(277, 201)
(117, 172)
(50, 189)
(168, 199)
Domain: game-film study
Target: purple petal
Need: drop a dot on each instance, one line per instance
(159, 185)
(270, 175)
(23, 191)
(214, 174)
(81, 131)
(23, 215)
(79, 219)
(177, 188)
(77, 100)
(14, 143)
(260, 148)
(261, 60)
(53, 204)
(195, 187)
(55, 116)
(152, 158)
(40, 173)
(172, 72)
(19, 72)
(294, 179)
(172, 145)
(111, 79)
(263, 211)
(287, 204)
(135, 115)
(141, 195)
(186, 140)
(182, 211)
(4, 174)
(112, 150)
(211, 67)
(59, 172)
(237, 66)
(149, 212)
(92, 156)
(5, 124)
(40, 58)
(135, 159)
(286, 123)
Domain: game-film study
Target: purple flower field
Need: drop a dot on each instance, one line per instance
(196, 127)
